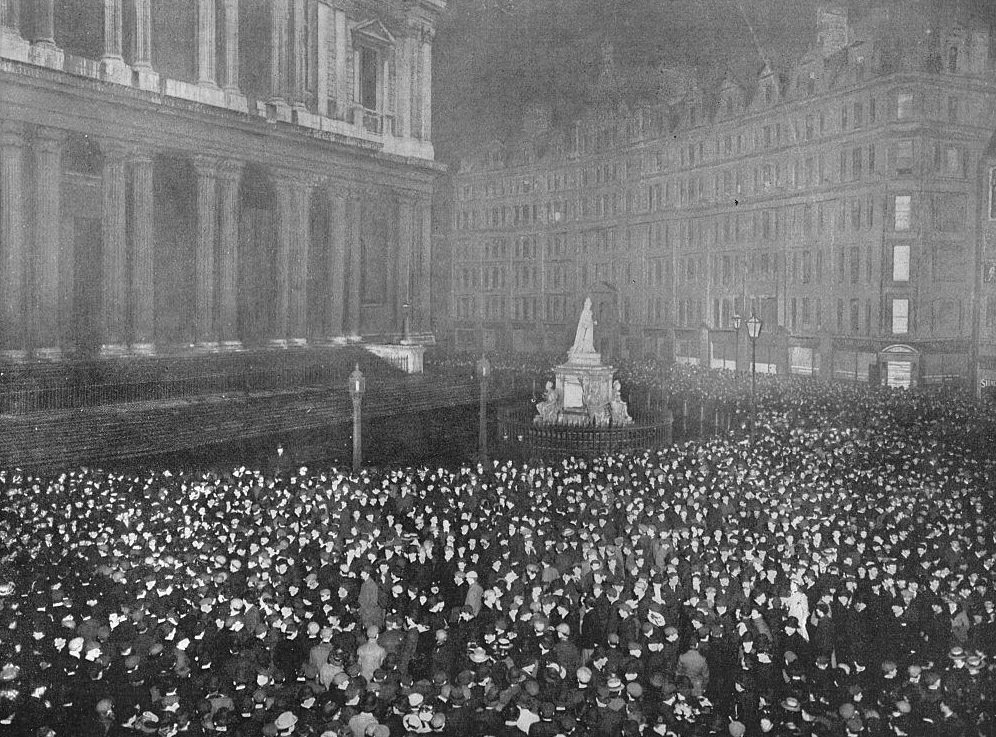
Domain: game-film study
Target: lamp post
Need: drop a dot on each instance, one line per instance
(483, 374)
(754, 327)
(737, 322)
(357, 387)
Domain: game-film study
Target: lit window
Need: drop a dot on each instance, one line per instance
(900, 316)
(901, 262)
(904, 105)
(903, 210)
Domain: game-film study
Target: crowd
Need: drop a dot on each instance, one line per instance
(835, 578)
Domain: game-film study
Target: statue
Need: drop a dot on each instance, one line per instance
(619, 409)
(549, 407)
(584, 338)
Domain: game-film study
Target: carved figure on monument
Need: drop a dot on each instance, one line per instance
(584, 338)
(619, 408)
(596, 401)
(549, 407)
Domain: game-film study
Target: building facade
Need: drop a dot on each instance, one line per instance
(840, 200)
(213, 174)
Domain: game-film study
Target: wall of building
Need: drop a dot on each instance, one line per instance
(835, 199)
(204, 179)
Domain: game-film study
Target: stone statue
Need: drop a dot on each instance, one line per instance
(584, 338)
(549, 407)
(619, 409)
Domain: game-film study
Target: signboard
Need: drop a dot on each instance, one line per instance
(899, 374)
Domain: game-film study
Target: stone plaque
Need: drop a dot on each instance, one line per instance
(573, 395)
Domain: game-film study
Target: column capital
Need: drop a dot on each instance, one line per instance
(140, 156)
(205, 166)
(114, 151)
(49, 137)
(11, 133)
(230, 170)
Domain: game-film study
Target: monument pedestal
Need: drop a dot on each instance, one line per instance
(586, 388)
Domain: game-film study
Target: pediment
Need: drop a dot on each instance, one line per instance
(373, 33)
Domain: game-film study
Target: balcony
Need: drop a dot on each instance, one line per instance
(373, 121)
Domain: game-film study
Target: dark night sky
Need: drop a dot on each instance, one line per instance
(493, 58)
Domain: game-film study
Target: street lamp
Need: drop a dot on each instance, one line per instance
(483, 374)
(754, 327)
(737, 321)
(357, 387)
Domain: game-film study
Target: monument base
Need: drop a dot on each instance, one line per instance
(586, 389)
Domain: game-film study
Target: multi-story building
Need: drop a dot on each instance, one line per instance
(836, 200)
(213, 173)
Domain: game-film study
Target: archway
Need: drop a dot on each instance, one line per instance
(175, 198)
(258, 217)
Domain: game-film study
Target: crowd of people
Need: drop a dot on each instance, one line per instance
(834, 578)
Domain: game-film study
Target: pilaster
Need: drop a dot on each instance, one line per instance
(296, 63)
(231, 8)
(12, 44)
(50, 292)
(206, 44)
(114, 273)
(340, 246)
(206, 168)
(43, 51)
(229, 176)
(423, 220)
(285, 247)
(300, 244)
(12, 241)
(355, 261)
(148, 79)
(406, 235)
(426, 92)
(143, 286)
(278, 58)
(112, 62)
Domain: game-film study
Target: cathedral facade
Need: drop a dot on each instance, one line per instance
(203, 175)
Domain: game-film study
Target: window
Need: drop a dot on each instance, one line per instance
(904, 157)
(903, 212)
(901, 262)
(953, 109)
(900, 316)
(859, 115)
(952, 161)
(855, 316)
(904, 105)
(992, 194)
(953, 59)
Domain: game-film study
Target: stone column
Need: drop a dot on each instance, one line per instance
(115, 281)
(143, 255)
(424, 272)
(229, 175)
(337, 263)
(206, 44)
(232, 46)
(355, 262)
(406, 233)
(297, 322)
(285, 246)
(142, 42)
(426, 91)
(112, 62)
(278, 51)
(43, 49)
(296, 63)
(405, 82)
(12, 44)
(205, 335)
(343, 96)
(47, 327)
(12, 241)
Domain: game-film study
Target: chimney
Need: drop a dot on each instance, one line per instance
(831, 28)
